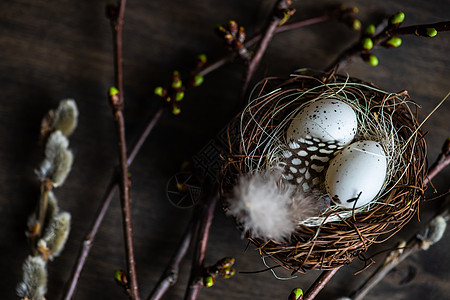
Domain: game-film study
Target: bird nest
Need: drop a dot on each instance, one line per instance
(336, 236)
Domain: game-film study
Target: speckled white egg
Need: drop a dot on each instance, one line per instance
(356, 174)
(326, 119)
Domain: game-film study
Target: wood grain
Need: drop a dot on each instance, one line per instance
(53, 50)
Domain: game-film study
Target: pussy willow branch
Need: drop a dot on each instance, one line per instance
(34, 236)
(117, 103)
(170, 275)
(202, 230)
(262, 46)
(356, 49)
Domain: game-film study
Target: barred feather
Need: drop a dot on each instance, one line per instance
(306, 159)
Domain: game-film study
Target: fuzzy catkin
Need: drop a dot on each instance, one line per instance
(65, 118)
(55, 235)
(34, 282)
(58, 159)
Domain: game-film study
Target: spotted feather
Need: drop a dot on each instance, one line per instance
(304, 161)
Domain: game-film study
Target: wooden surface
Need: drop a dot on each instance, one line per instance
(52, 50)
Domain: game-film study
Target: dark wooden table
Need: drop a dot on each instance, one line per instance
(52, 50)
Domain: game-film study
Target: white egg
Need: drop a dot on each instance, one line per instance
(356, 174)
(326, 119)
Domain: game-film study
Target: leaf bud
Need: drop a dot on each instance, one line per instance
(227, 272)
(179, 96)
(356, 24)
(176, 110)
(431, 32)
(120, 277)
(176, 81)
(113, 91)
(232, 25)
(202, 58)
(208, 281)
(394, 42)
(370, 30)
(354, 9)
(198, 80)
(397, 18)
(296, 294)
(367, 43)
(225, 262)
(370, 59)
(160, 91)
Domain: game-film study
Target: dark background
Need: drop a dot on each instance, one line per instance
(50, 50)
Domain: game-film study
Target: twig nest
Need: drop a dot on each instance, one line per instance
(346, 152)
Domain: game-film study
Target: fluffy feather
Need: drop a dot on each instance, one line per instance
(268, 207)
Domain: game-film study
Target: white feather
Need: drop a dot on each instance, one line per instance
(262, 205)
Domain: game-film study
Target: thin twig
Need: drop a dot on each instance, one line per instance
(125, 199)
(262, 46)
(106, 200)
(170, 275)
(288, 27)
(117, 103)
(36, 233)
(356, 49)
(319, 284)
(441, 162)
(202, 229)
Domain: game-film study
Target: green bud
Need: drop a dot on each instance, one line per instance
(225, 262)
(394, 42)
(431, 32)
(177, 84)
(120, 277)
(227, 272)
(179, 96)
(198, 80)
(370, 30)
(221, 28)
(296, 294)
(367, 43)
(202, 58)
(356, 24)
(176, 110)
(113, 91)
(398, 18)
(371, 60)
(208, 281)
(160, 91)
